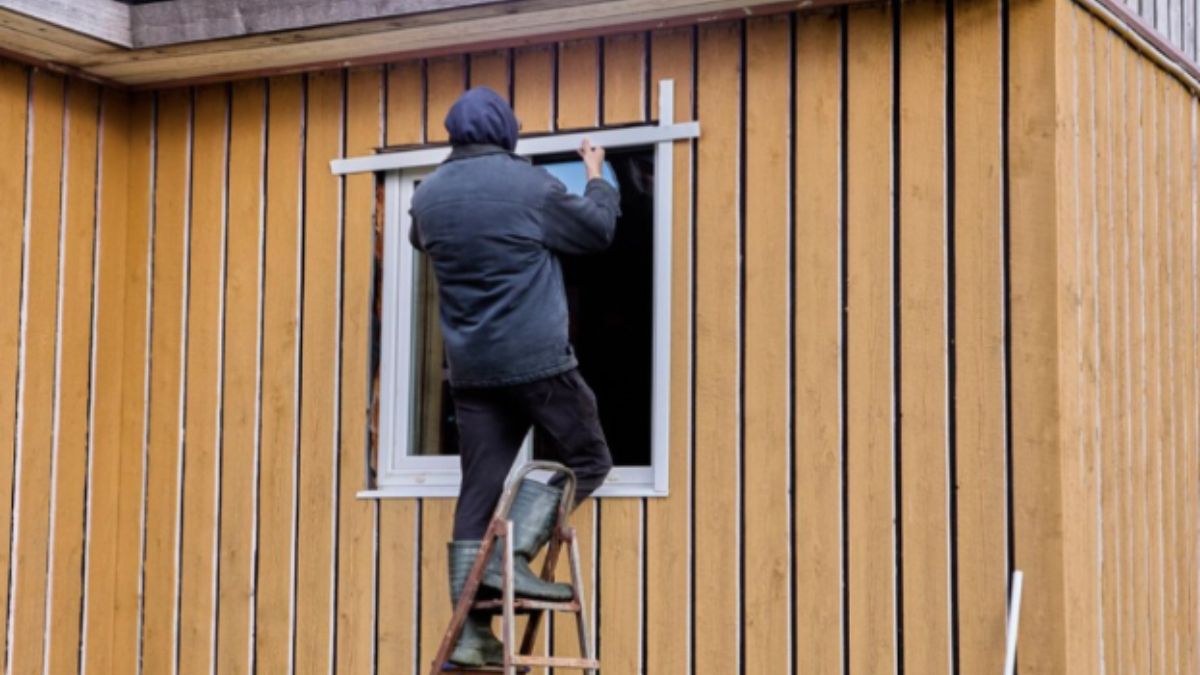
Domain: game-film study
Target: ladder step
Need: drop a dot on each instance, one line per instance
(557, 662)
(480, 669)
(522, 604)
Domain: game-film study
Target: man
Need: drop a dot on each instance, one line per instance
(493, 226)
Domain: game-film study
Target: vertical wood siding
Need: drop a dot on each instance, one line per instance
(1128, 261)
(893, 380)
(63, 227)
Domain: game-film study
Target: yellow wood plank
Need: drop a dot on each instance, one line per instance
(619, 601)
(240, 378)
(923, 311)
(405, 103)
(578, 84)
(667, 526)
(1166, 389)
(1154, 417)
(398, 588)
(767, 556)
(1181, 214)
(1191, 344)
(398, 549)
(1181, 204)
(871, 573)
(1161, 365)
(74, 377)
(818, 354)
(1171, 422)
(206, 249)
(490, 69)
(979, 337)
(444, 83)
(1188, 370)
(1165, 451)
(161, 574)
(1077, 330)
(1137, 109)
(1122, 263)
(1107, 414)
(398, 518)
(105, 489)
(14, 105)
(318, 377)
(445, 80)
(533, 80)
(624, 78)
(281, 312)
(620, 547)
(717, 328)
(1033, 261)
(437, 519)
(1143, 350)
(357, 518)
(1090, 338)
(35, 432)
(577, 104)
(126, 639)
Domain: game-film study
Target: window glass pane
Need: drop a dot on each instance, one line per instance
(432, 408)
(574, 176)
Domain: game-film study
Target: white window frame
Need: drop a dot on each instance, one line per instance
(401, 474)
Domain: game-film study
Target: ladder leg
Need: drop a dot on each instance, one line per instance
(532, 625)
(510, 619)
(585, 640)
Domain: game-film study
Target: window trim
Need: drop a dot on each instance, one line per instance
(400, 474)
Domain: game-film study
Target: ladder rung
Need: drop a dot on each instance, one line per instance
(531, 605)
(481, 669)
(557, 662)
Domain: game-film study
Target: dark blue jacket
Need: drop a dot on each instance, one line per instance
(492, 225)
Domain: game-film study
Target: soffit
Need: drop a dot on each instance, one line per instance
(172, 41)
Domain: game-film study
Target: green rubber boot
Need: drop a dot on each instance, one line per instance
(534, 514)
(477, 646)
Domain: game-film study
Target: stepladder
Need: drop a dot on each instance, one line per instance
(519, 657)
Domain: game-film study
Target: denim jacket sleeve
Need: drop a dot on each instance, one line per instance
(580, 224)
(414, 234)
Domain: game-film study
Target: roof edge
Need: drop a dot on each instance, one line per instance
(104, 20)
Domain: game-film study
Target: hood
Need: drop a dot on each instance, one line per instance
(481, 116)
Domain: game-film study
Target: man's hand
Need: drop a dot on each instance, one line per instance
(593, 159)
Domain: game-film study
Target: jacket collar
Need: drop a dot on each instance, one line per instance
(470, 150)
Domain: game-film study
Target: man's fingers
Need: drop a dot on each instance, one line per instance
(593, 157)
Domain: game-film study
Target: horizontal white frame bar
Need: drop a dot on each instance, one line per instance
(625, 137)
(623, 481)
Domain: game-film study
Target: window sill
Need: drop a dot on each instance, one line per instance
(609, 491)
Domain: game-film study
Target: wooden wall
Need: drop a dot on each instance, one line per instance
(881, 405)
(62, 219)
(1128, 261)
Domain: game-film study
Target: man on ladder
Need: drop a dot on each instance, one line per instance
(493, 225)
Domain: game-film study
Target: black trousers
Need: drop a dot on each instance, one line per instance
(493, 422)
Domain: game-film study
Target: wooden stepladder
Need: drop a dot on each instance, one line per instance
(499, 533)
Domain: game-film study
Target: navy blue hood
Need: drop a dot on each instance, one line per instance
(481, 116)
